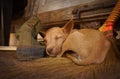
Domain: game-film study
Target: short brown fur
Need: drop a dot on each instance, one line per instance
(89, 46)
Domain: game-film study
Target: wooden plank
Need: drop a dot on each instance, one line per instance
(97, 7)
(50, 5)
(8, 48)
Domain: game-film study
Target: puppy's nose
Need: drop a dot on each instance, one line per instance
(49, 50)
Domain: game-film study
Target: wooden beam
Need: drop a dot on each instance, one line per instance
(6, 13)
(91, 10)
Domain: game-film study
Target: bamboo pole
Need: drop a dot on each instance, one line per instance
(109, 23)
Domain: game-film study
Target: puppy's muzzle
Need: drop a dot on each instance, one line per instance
(49, 50)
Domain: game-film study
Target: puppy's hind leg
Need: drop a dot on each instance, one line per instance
(79, 61)
(74, 59)
(96, 57)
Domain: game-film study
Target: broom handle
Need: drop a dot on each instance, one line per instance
(114, 14)
(112, 18)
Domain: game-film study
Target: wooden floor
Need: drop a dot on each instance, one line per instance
(53, 68)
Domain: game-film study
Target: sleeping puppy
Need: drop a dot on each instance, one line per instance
(83, 47)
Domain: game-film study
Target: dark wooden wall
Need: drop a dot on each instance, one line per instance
(89, 14)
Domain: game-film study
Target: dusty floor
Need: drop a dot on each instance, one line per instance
(53, 68)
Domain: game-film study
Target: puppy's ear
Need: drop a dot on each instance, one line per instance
(42, 34)
(67, 28)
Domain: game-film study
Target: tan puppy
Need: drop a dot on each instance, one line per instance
(83, 47)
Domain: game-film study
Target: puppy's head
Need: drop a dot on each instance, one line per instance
(55, 37)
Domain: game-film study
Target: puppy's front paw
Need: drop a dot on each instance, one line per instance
(59, 56)
(68, 55)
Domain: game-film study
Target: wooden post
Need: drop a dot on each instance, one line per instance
(6, 12)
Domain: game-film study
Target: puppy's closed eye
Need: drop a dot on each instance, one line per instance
(58, 37)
